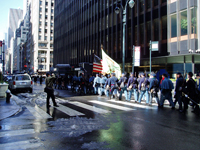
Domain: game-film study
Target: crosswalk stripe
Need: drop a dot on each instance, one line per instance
(68, 110)
(111, 105)
(132, 104)
(21, 145)
(89, 107)
(16, 132)
(38, 113)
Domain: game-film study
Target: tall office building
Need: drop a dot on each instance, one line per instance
(14, 16)
(39, 44)
(184, 35)
(82, 28)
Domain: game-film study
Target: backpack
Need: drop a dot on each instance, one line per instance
(143, 88)
(155, 87)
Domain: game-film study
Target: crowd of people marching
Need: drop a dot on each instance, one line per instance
(185, 91)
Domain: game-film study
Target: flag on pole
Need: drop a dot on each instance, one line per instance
(97, 64)
(110, 66)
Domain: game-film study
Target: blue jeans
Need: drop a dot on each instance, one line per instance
(96, 90)
(123, 90)
(101, 90)
(134, 91)
(166, 95)
(107, 92)
(146, 92)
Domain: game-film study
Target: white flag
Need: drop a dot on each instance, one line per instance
(110, 66)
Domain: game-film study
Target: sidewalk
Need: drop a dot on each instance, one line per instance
(8, 109)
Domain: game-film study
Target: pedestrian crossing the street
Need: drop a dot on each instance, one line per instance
(95, 106)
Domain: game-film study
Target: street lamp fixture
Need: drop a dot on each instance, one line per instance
(131, 4)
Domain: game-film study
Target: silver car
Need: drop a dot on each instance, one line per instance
(21, 82)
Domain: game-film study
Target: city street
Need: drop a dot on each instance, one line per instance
(93, 122)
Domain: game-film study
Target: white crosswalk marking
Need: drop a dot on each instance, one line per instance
(38, 113)
(16, 132)
(21, 145)
(111, 105)
(132, 104)
(89, 107)
(69, 111)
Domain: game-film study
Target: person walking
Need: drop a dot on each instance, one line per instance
(153, 88)
(132, 88)
(166, 91)
(41, 79)
(113, 83)
(96, 84)
(49, 89)
(143, 88)
(123, 86)
(178, 90)
(107, 87)
(191, 90)
(102, 83)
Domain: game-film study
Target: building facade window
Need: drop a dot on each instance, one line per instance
(40, 16)
(46, 23)
(40, 3)
(51, 17)
(39, 38)
(46, 10)
(194, 20)
(46, 3)
(183, 23)
(45, 38)
(40, 9)
(45, 31)
(46, 17)
(173, 25)
(51, 10)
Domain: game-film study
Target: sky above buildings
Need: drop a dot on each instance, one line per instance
(5, 5)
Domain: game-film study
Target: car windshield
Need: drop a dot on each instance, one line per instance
(22, 77)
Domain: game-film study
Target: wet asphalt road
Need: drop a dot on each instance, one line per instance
(141, 128)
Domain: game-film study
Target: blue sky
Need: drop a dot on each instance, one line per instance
(5, 5)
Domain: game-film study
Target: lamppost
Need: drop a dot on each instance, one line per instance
(117, 9)
(3, 56)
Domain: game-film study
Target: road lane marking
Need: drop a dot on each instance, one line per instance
(111, 105)
(132, 104)
(16, 132)
(21, 145)
(89, 107)
(38, 113)
(68, 111)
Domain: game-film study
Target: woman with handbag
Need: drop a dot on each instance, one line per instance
(49, 89)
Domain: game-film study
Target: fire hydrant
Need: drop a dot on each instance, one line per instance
(8, 96)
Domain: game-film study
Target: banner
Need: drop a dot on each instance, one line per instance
(110, 66)
(137, 56)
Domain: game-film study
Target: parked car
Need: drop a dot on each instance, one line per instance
(21, 82)
(7, 78)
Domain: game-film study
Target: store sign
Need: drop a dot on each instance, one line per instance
(137, 56)
(154, 45)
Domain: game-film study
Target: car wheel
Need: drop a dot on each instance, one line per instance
(31, 90)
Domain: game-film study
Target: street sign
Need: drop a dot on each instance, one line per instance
(137, 56)
(154, 46)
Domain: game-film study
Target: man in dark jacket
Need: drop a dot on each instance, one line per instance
(153, 88)
(178, 90)
(191, 92)
(132, 88)
(50, 91)
(122, 83)
(166, 91)
(143, 88)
